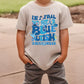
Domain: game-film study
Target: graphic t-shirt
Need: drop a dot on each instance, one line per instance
(42, 26)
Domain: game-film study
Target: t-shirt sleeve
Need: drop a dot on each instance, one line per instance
(65, 19)
(21, 23)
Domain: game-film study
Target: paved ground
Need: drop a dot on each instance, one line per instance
(12, 69)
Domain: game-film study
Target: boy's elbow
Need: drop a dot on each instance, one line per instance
(21, 32)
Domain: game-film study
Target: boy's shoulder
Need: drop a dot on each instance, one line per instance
(60, 4)
(26, 6)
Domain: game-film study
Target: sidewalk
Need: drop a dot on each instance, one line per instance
(12, 69)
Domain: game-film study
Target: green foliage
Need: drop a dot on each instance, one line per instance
(12, 6)
(72, 2)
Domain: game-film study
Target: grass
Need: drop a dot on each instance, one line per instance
(13, 6)
(72, 2)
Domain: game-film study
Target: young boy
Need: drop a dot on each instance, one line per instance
(42, 40)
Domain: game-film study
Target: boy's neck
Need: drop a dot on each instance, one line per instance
(43, 2)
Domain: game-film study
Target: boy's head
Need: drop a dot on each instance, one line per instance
(43, 0)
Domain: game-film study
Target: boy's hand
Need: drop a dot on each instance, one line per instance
(60, 59)
(25, 60)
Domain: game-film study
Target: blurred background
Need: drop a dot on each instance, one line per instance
(11, 67)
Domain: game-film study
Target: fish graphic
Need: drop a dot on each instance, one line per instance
(32, 35)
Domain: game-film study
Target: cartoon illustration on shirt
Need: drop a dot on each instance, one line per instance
(43, 30)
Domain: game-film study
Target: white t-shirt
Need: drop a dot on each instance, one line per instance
(42, 26)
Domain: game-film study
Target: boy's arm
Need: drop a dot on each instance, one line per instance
(64, 39)
(65, 21)
(20, 38)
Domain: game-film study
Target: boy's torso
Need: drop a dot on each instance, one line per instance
(42, 42)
